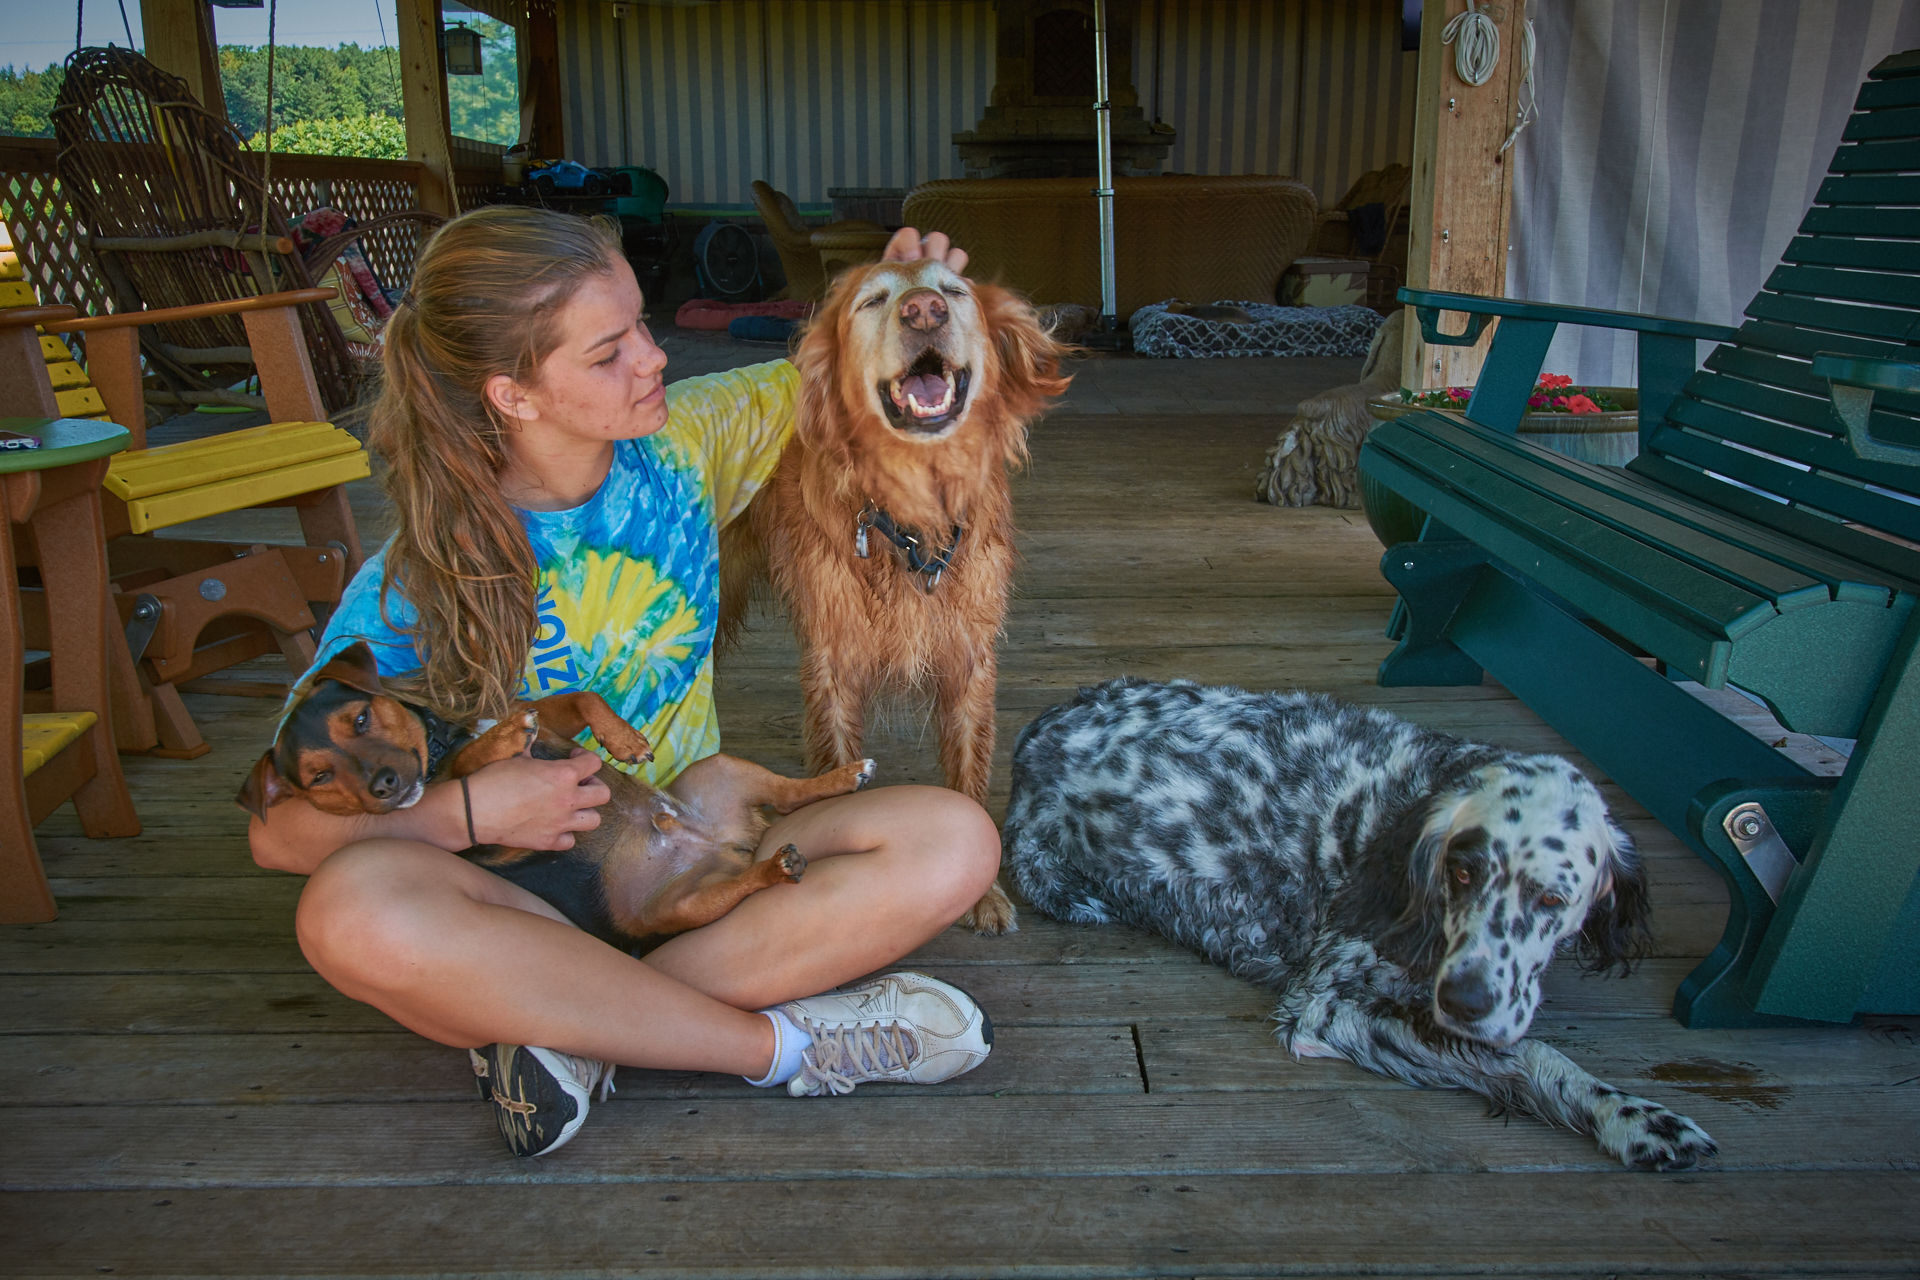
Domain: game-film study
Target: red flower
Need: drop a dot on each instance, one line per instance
(1459, 393)
(1580, 404)
(1559, 402)
(1554, 381)
(1536, 402)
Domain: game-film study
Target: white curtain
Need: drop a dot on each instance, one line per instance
(1678, 145)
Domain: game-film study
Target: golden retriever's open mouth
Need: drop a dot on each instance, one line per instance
(930, 395)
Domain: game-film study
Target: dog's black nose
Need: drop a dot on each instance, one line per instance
(923, 309)
(1466, 997)
(384, 785)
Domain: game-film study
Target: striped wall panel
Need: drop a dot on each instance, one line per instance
(813, 94)
(1678, 146)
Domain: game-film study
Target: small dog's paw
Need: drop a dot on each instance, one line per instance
(627, 744)
(862, 778)
(1645, 1135)
(530, 726)
(792, 862)
(992, 914)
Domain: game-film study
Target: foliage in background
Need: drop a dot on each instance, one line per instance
(486, 107)
(375, 137)
(355, 88)
(25, 99)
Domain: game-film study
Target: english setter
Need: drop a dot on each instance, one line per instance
(1403, 889)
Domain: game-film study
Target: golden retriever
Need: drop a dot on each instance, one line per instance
(887, 528)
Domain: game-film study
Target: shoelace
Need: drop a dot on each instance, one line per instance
(589, 1071)
(863, 1051)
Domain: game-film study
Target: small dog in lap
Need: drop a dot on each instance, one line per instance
(1403, 889)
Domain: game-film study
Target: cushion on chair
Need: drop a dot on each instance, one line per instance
(45, 735)
(178, 482)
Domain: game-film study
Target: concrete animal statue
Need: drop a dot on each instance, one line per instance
(1317, 458)
(1402, 890)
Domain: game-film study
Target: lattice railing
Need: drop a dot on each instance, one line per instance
(51, 243)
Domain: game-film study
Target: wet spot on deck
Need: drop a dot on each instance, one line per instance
(1734, 1082)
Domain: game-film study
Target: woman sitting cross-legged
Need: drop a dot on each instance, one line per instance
(558, 511)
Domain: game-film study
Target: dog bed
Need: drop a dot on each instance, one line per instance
(1275, 331)
(713, 314)
(766, 330)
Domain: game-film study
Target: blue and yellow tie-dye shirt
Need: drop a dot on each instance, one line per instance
(628, 590)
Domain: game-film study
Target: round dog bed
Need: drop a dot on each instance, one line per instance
(1275, 331)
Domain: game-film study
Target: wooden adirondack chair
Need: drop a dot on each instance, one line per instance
(194, 607)
(1767, 537)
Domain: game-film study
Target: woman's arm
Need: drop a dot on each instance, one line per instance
(522, 803)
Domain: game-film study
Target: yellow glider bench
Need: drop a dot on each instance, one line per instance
(193, 607)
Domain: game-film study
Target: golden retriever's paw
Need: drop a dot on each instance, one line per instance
(993, 914)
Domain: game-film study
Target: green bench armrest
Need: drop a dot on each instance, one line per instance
(1853, 381)
(1520, 348)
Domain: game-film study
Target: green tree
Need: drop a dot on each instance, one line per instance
(309, 83)
(25, 99)
(376, 137)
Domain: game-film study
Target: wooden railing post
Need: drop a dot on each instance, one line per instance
(180, 39)
(423, 94)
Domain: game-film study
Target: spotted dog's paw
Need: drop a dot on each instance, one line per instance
(1645, 1135)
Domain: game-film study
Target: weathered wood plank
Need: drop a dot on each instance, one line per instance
(399, 1067)
(973, 1229)
(875, 1133)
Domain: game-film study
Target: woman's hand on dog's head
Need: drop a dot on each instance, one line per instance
(909, 245)
(525, 803)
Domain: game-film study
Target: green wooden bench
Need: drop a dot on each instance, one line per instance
(1767, 537)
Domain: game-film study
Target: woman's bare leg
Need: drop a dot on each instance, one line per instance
(463, 957)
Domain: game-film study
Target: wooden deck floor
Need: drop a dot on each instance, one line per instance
(180, 1094)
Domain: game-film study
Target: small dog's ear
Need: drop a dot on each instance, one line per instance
(1616, 931)
(264, 788)
(353, 667)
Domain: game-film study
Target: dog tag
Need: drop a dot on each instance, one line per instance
(1767, 855)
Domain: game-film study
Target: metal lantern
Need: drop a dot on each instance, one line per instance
(463, 50)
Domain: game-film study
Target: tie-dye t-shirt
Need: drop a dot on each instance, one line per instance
(628, 592)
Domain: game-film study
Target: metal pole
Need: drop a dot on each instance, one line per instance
(1103, 144)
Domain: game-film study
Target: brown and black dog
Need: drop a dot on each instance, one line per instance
(658, 864)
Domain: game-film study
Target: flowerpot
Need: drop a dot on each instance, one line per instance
(1611, 438)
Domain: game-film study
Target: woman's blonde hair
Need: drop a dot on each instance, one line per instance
(486, 299)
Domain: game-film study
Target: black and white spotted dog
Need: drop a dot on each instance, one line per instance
(1402, 889)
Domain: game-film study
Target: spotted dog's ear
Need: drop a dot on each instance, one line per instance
(1414, 894)
(1616, 931)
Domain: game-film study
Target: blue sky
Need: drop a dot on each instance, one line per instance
(36, 34)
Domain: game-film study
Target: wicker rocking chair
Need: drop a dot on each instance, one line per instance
(177, 217)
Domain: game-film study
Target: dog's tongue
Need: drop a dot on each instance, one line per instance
(927, 389)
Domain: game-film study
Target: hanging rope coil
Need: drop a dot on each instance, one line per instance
(1476, 45)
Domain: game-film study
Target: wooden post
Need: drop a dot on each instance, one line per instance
(180, 39)
(1462, 185)
(423, 96)
(541, 89)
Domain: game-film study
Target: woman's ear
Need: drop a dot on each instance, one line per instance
(509, 399)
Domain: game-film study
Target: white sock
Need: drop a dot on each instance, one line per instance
(789, 1042)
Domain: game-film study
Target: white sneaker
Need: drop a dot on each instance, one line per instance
(539, 1095)
(904, 1027)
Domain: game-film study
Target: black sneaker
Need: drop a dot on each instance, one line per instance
(539, 1096)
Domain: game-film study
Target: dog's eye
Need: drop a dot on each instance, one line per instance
(360, 721)
(1461, 872)
(321, 778)
(878, 299)
(1552, 900)
(954, 291)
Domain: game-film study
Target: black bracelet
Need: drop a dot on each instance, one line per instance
(466, 795)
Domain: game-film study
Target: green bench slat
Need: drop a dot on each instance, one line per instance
(1784, 585)
(1865, 322)
(1808, 488)
(1886, 122)
(1899, 565)
(1876, 157)
(1790, 340)
(1845, 251)
(1869, 189)
(1886, 289)
(1570, 479)
(1825, 449)
(1704, 602)
(1879, 95)
(1846, 220)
